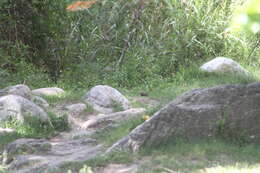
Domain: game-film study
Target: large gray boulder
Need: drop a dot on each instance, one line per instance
(224, 65)
(53, 91)
(106, 99)
(201, 113)
(21, 90)
(20, 108)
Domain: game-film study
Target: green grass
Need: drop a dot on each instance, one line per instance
(29, 129)
(163, 40)
(201, 156)
(192, 78)
(89, 109)
(180, 156)
(185, 80)
(189, 157)
(70, 95)
(2, 169)
(108, 137)
(117, 107)
(60, 123)
(161, 36)
(115, 157)
(7, 139)
(33, 128)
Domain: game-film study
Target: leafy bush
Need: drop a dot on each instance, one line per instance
(139, 40)
(31, 31)
(146, 40)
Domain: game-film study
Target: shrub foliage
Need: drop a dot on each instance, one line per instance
(31, 31)
(126, 43)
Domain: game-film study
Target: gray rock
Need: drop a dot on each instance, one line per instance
(40, 101)
(24, 146)
(199, 114)
(108, 69)
(20, 108)
(5, 131)
(224, 65)
(101, 121)
(76, 109)
(21, 90)
(106, 99)
(41, 156)
(48, 91)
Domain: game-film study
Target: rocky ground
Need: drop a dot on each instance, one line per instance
(75, 146)
(196, 113)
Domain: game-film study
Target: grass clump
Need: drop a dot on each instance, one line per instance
(114, 157)
(69, 96)
(111, 136)
(192, 78)
(7, 138)
(3, 170)
(33, 128)
(60, 123)
(227, 131)
(89, 109)
(116, 106)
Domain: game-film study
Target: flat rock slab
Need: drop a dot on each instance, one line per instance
(103, 120)
(59, 154)
(199, 114)
(54, 91)
(21, 146)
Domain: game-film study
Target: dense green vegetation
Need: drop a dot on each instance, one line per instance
(121, 43)
(152, 46)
